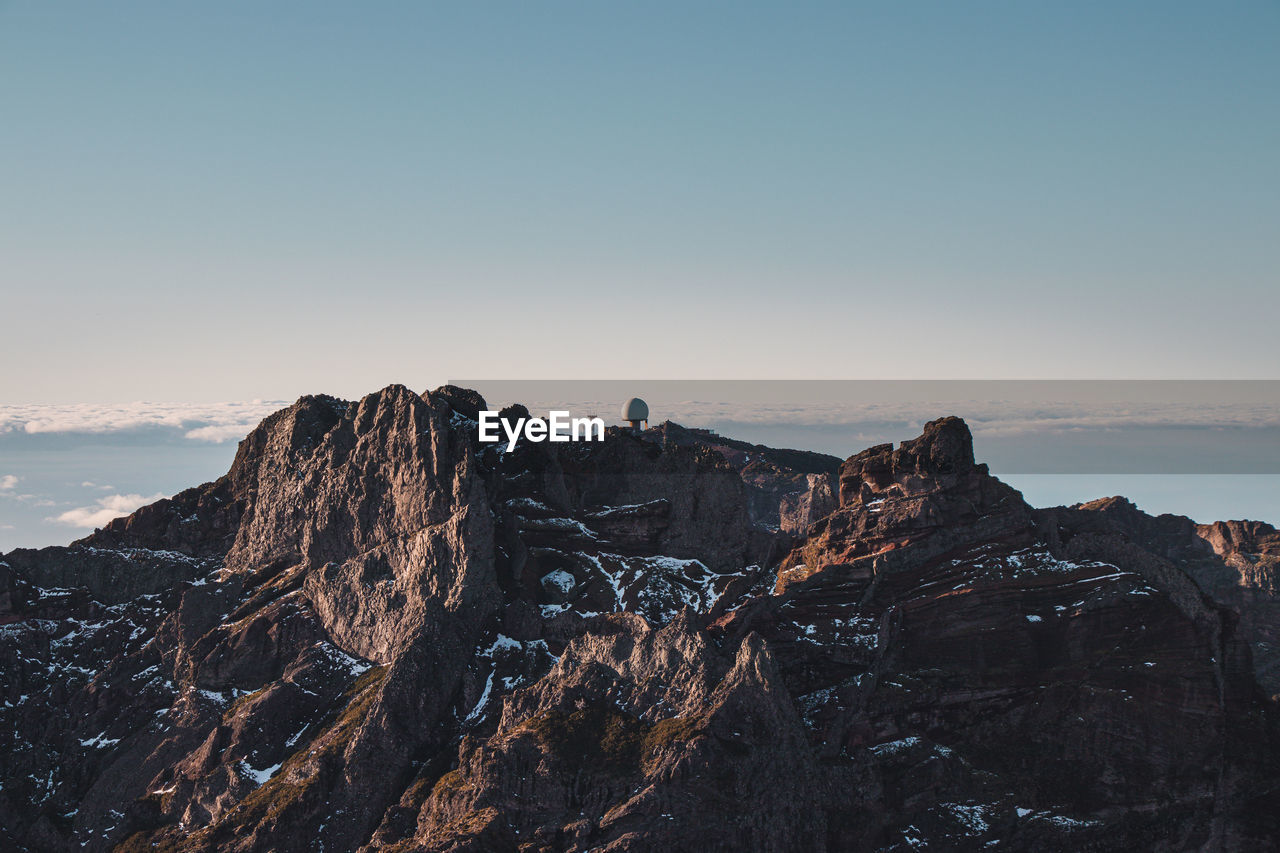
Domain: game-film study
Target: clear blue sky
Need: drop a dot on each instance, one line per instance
(234, 200)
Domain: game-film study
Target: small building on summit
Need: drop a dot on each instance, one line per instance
(636, 412)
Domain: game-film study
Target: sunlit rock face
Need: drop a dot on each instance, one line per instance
(377, 633)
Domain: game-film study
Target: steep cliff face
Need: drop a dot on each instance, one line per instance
(1235, 563)
(361, 566)
(377, 633)
(624, 744)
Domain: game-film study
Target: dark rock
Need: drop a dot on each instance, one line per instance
(462, 401)
(799, 511)
(376, 633)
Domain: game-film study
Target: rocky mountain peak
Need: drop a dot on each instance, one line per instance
(936, 460)
(1231, 537)
(928, 488)
(375, 633)
(464, 401)
(296, 429)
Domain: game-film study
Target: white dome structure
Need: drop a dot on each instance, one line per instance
(636, 412)
(635, 409)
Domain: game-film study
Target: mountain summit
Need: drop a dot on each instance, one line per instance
(377, 633)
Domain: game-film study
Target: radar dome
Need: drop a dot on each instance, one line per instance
(635, 409)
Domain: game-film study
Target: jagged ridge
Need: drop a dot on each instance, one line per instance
(376, 633)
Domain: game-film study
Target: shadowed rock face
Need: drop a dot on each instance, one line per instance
(1235, 563)
(376, 633)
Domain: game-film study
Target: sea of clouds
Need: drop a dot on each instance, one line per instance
(990, 417)
(75, 466)
(231, 421)
(69, 468)
(215, 422)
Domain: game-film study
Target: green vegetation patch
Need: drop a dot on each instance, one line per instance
(447, 785)
(234, 709)
(673, 730)
(152, 841)
(279, 793)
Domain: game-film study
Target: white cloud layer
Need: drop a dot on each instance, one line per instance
(985, 417)
(8, 483)
(216, 422)
(231, 421)
(220, 432)
(104, 509)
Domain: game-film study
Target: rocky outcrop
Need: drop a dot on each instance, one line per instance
(774, 477)
(1236, 564)
(630, 742)
(376, 633)
(929, 488)
(799, 511)
(105, 575)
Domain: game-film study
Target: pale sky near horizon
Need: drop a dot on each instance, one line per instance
(245, 200)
